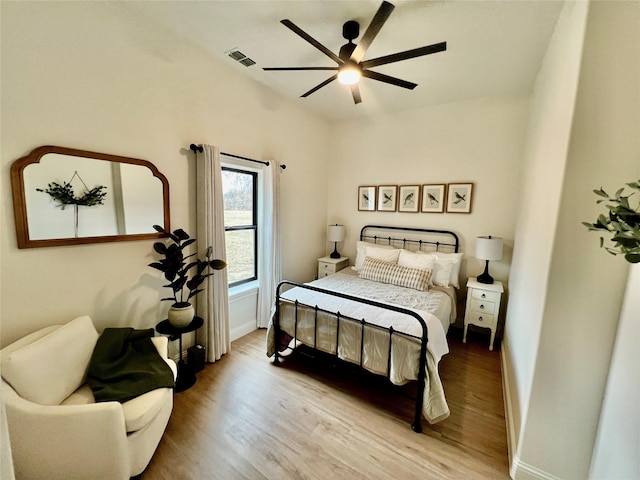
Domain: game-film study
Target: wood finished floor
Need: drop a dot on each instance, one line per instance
(248, 419)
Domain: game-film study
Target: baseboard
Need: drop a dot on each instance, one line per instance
(242, 330)
(517, 468)
(239, 331)
(522, 471)
(508, 409)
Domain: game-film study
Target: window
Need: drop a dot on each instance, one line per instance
(240, 192)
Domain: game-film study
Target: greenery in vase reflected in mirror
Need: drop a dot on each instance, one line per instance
(64, 195)
(622, 222)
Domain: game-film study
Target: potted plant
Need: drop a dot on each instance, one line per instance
(622, 223)
(176, 266)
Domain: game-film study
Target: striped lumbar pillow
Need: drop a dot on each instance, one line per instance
(386, 272)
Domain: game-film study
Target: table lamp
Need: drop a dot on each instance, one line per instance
(488, 248)
(335, 233)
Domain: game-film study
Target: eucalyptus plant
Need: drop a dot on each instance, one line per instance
(176, 266)
(622, 222)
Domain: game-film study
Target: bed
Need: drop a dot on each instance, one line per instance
(386, 313)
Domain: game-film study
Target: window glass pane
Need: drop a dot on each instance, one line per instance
(240, 255)
(238, 198)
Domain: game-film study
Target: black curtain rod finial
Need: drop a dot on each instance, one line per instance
(198, 148)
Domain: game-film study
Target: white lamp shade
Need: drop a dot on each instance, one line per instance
(336, 233)
(489, 248)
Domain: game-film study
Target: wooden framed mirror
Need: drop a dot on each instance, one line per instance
(65, 196)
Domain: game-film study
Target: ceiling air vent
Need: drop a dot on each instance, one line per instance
(247, 62)
(238, 56)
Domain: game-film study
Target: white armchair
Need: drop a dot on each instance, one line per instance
(56, 429)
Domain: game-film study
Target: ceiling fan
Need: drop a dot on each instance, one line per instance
(350, 66)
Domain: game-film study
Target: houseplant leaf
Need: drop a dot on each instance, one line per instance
(217, 264)
(622, 223)
(632, 257)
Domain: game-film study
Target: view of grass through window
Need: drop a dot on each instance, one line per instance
(240, 226)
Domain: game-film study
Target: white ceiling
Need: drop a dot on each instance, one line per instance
(494, 48)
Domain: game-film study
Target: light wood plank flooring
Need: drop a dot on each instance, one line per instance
(248, 419)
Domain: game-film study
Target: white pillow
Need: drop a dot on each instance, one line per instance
(453, 260)
(373, 250)
(50, 369)
(421, 260)
(445, 266)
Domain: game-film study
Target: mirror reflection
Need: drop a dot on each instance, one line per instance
(66, 196)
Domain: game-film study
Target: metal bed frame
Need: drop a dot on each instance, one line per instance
(416, 426)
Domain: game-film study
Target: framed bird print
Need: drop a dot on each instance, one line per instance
(433, 198)
(387, 198)
(459, 197)
(367, 199)
(409, 198)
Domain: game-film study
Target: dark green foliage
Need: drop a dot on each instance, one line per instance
(176, 269)
(64, 195)
(622, 223)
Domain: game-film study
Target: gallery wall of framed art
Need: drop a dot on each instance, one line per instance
(420, 198)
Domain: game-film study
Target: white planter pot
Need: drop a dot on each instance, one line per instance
(181, 316)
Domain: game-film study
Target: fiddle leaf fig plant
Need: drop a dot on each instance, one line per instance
(621, 222)
(176, 266)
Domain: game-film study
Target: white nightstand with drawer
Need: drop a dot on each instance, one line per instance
(328, 265)
(483, 306)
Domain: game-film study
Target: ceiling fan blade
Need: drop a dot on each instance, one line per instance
(407, 54)
(300, 68)
(374, 27)
(318, 87)
(297, 30)
(355, 92)
(381, 77)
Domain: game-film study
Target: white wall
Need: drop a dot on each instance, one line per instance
(243, 312)
(577, 310)
(477, 141)
(544, 159)
(90, 76)
(618, 442)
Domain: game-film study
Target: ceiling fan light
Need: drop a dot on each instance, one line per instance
(349, 75)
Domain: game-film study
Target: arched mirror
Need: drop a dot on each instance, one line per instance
(64, 196)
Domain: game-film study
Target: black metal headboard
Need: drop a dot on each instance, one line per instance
(440, 238)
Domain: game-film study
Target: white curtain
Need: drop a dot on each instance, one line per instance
(213, 302)
(269, 267)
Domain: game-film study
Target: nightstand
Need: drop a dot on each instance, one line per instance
(483, 306)
(328, 265)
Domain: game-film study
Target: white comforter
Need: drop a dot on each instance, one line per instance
(405, 352)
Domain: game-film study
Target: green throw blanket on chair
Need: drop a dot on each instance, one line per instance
(125, 364)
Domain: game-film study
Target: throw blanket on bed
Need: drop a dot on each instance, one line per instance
(125, 364)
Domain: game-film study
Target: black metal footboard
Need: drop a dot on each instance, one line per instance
(417, 422)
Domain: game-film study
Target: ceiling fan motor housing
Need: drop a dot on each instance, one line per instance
(351, 30)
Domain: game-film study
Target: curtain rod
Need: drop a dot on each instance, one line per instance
(198, 148)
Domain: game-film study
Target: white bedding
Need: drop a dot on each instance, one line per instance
(432, 301)
(434, 307)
